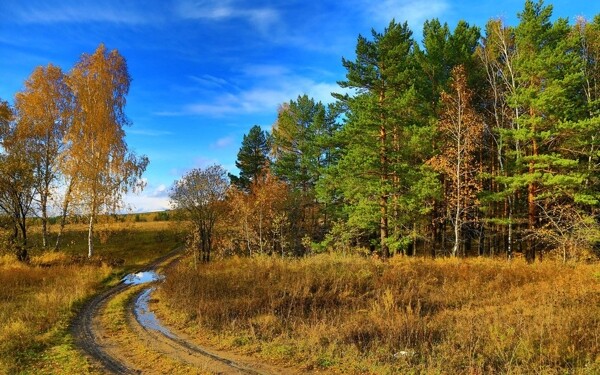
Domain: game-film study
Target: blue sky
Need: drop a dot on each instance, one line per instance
(204, 72)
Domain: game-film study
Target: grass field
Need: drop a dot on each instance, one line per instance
(39, 299)
(356, 315)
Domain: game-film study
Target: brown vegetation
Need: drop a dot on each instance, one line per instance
(37, 302)
(356, 315)
(38, 299)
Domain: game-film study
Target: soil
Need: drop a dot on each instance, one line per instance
(93, 339)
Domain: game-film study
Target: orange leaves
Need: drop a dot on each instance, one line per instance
(259, 217)
(460, 130)
(98, 157)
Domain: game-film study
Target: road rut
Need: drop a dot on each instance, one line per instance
(85, 329)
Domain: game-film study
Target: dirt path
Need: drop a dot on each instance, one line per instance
(91, 337)
(82, 329)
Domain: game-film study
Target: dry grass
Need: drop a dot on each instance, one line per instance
(36, 304)
(38, 300)
(134, 243)
(349, 314)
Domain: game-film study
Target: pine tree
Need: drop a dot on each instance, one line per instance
(252, 158)
(379, 178)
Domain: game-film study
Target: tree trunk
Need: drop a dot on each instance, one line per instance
(91, 236)
(22, 254)
(63, 218)
(23, 227)
(531, 211)
(44, 207)
(458, 171)
(383, 198)
(509, 251)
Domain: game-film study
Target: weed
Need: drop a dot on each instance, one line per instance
(348, 314)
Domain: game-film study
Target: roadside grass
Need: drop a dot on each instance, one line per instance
(353, 315)
(39, 299)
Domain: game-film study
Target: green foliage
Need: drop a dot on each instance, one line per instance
(252, 158)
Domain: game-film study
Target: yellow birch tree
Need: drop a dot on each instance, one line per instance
(98, 159)
(44, 112)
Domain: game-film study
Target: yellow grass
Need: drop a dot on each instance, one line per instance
(353, 315)
(38, 300)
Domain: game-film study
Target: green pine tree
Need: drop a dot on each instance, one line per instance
(252, 158)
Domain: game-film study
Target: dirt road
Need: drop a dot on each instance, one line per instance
(157, 341)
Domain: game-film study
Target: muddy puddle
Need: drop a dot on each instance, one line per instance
(141, 278)
(141, 310)
(146, 317)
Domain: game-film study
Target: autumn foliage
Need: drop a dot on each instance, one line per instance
(64, 140)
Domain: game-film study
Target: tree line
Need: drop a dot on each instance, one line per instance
(472, 142)
(63, 145)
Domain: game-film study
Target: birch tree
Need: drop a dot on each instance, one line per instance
(99, 162)
(460, 128)
(17, 186)
(43, 110)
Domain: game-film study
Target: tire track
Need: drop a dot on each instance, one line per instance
(161, 341)
(82, 327)
(169, 343)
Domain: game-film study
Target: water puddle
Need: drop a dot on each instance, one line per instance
(146, 317)
(141, 278)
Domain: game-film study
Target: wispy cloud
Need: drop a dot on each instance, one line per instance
(223, 142)
(260, 17)
(264, 99)
(203, 162)
(209, 81)
(149, 132)
(83, 11)
(267, 87)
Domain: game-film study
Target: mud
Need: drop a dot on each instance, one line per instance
(90, 336)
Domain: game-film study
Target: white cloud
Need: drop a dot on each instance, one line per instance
(273, 86)
(161, 191)
(223, 142)
(260, 17)
(147, 203)
(152, 198)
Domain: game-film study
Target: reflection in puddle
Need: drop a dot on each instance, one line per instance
(146, 317)
(141, 278)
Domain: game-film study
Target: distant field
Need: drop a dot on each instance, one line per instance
(38, 300)
(356, 315)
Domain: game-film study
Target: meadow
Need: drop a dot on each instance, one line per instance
(349, 314)
(324, 313)
(39, 299)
